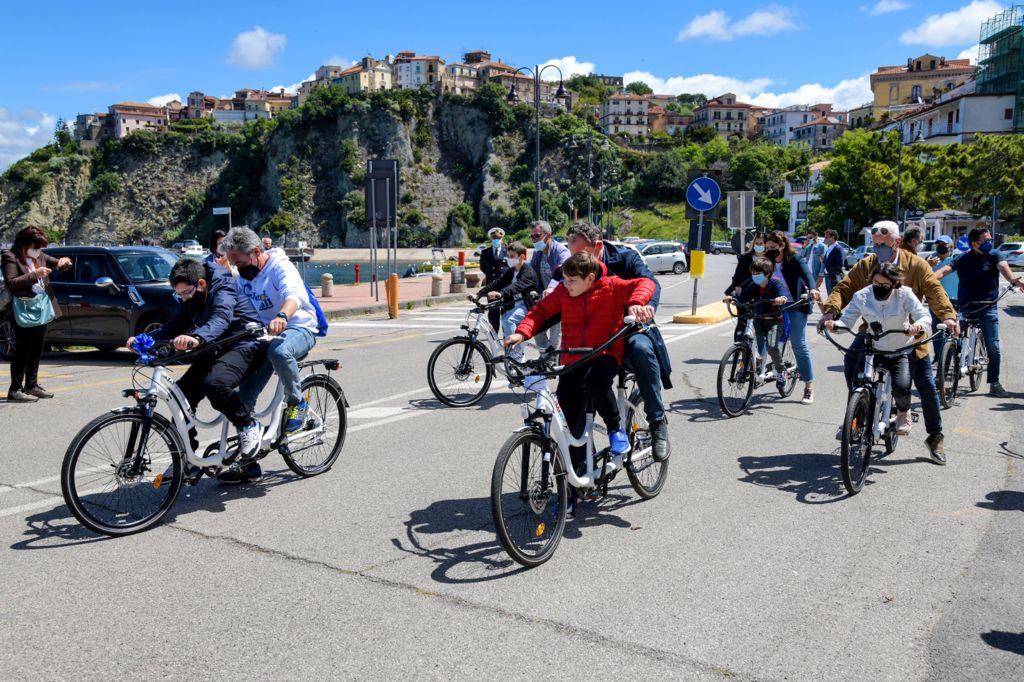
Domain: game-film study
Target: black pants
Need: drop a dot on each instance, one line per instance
(494, 317)
(27, 353)
(899, 366)
(593, 380)
(217, 376)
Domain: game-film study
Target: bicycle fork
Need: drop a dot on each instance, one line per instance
(133, 464)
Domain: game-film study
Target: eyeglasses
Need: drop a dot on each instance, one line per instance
(187, 294)
(884, 231)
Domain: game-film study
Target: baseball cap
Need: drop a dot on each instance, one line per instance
(944, 238)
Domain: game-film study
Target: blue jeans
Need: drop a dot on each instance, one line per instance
(283, 355)
(640, 357)
(510, 319)
(989, 320)
(801, 350)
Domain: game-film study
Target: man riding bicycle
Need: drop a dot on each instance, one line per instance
(979, 271)
(209, 309)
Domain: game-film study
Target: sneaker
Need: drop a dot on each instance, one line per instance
(996, 389)
(903, 423)
(808, 398)
(935, 447)
(660, 448)
(619, 442)
(241, 472)
(20, 397)
(39, 392)
(295, 417)
(839, 433)
(249, 440)
(781, 378)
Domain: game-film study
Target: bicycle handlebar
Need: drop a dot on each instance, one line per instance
(145, 343)
(979, 306)
(872, 351)
(544, 365)
(750, 306)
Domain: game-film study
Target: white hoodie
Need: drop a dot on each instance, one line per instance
(901, 308)
(278, 281)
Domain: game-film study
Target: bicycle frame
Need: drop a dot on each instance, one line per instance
(878, 383)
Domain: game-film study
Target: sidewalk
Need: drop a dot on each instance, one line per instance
(351, 300)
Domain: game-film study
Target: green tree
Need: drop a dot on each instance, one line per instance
(639, 88)
(772, 213)
(665, 176)
(62, 135)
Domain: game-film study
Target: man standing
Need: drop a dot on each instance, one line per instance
(548, 256)
(814, 255)
(493, 265)
(918, 276)
(979, 271)
(268, 243)
(833, 260)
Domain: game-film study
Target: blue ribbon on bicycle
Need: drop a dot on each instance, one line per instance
(786, 328)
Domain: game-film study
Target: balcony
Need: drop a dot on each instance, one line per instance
(944, 129)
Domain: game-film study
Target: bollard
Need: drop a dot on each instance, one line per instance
(326, 285)
(357, 273)
(462, 258)
(435, 284)
(393, 296)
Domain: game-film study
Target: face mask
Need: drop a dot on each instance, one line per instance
(34, 253)
(496, 243)
(512, 261)
(539, 246)
(941, 249)
(772, 254)
(881, 292)
(198, 300)
(249, 271)
(758, 248)
(883, 252)
(985, 246)
(759, 279)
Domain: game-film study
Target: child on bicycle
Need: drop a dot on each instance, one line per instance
(767, 294)
(591, 304)
(514, 288)
(894, 307)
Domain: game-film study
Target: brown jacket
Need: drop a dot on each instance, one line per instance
(19, 279)
(917, 275)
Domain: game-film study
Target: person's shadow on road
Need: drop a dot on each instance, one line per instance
(814, 478)
(1004, 500)
(1007, 641)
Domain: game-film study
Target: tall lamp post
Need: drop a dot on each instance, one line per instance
(590, 160)
(901, 126)
(513, 98)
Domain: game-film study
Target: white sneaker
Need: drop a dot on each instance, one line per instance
(903, 423)
(249, 440)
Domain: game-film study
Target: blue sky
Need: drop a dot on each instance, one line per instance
(59, 59)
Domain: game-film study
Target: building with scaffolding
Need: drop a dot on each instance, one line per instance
(1001, 59)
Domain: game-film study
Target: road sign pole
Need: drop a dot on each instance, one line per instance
(700, 241)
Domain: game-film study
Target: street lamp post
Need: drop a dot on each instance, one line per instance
(513, 98)
(899, 165)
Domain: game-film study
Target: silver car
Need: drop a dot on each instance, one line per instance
(664, 257)
(1014, 253)
(853, 256)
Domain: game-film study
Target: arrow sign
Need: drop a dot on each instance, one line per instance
(703, 194)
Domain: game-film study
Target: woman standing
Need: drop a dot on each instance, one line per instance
(26, 274)
(796, 276)
(742, 273)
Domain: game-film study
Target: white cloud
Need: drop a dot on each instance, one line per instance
(845, 95)
(569, 66)
(716, 25)
(162, 100)
(952, 28)
(970, 53)
(23, 132)
(256, 49)
(887, 6)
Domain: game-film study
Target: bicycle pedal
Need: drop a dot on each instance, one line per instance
(915, 417)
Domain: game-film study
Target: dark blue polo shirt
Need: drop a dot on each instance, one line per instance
(979, 276)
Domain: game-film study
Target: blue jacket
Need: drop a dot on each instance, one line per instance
(835, 261)
(222, 313)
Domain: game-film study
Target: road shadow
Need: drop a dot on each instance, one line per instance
(1010, 407)
(704, 410)
(1007, 641)
(1004, 500)
(1005, 451)
(813, 478)
(488, 401)
(702, 361)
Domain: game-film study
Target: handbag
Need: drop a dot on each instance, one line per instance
(33, 312)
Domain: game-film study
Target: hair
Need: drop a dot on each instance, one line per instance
(762, 266)
(242, 239)
(779, 237)
(581, 265)
(758, 235)
(975, 234)
(811, 233)
(833, 234)
(187, 271)
(27, 238)
(517, 248)
(913, 234)
(591, 234)
(544, 225)
(217, 235)
(891, 272)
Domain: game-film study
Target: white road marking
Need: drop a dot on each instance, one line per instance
(698, 331)
(377, 412)
(48, 501)
(395, 325)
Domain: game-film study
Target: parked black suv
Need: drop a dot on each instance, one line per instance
(109, 294)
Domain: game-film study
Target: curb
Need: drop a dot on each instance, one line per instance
(711, 313)
(376, 308)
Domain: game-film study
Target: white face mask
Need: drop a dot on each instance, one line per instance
(512, 261)
(34, 253)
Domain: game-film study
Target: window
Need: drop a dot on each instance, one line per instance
(89, 268)
(915, 93)
(933, 64)
(801, 210)
(1008, 114)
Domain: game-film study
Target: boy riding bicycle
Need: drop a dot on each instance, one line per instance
(767, 294)
(591, 304)
(514, 287)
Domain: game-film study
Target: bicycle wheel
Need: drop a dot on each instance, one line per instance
(980, 363)
(646, 475)
(103, 489)
(949, 374)
(857, 440)
(789, 361)
(735, 380)
(459, 372)
(892, 437)
(529, 519)
(327, 410)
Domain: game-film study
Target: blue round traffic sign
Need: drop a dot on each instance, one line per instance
(963, 243)
(703, 194)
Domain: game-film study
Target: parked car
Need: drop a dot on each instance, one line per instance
(108, 295)
(1014, 253)
(853, 256)
(664, 257)
(718, 248)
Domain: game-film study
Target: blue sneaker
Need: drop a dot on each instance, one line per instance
(619, 442)
(295, 417)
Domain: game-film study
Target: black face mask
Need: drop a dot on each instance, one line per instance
(249, 271)
(771, 254)
(197, 301)
(881, 292)
(941, 249)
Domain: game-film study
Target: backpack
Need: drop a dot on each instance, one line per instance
(321, 320)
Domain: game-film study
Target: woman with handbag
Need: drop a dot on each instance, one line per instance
(33, 306)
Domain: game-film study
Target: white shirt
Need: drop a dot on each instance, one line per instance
(38, 287)
(899, 309)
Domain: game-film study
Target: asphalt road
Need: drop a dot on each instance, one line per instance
(752, 564)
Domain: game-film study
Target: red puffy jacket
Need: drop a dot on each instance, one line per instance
(592, 318)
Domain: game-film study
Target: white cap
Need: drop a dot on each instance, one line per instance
(891, 227)
(494, 231)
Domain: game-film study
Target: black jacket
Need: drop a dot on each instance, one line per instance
(835, 261)
(523, 285)
(221, 313)
(799, 280)
(742, 273)
(493, 265)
